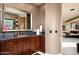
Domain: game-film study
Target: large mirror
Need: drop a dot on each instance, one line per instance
(16, 19)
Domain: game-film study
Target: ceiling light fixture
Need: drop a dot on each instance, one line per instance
(72, 9)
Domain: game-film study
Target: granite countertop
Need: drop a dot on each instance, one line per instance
(21, 36)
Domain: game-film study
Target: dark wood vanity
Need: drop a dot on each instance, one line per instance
(26, 45)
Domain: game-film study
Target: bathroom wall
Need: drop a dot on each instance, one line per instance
(41, 16)
(53, 28)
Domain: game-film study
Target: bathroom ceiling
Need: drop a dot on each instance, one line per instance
(70, 10)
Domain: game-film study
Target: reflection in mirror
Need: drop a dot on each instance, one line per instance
(15, 19)
(1, 13)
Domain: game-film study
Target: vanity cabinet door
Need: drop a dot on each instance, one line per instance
(42, 43)
(20, 46)
(9, 47)
(26, 46)
(0, 47)
(35, 43)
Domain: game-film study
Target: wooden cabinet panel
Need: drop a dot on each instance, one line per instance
(9, 47)
(35, 43)
(0, 47)
(26, 45)
(23, 46)
(20, 46)
(42, 43)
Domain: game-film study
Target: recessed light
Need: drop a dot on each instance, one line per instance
(72, 9)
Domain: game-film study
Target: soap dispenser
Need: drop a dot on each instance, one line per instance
(37, 32)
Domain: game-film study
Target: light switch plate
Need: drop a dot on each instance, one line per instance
(50, 31)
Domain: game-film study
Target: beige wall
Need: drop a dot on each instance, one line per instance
(29, 8)
(41, 16)
(53, 22)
